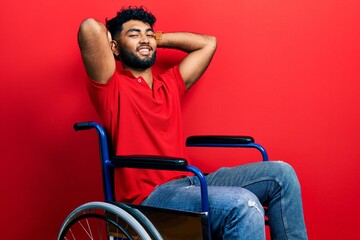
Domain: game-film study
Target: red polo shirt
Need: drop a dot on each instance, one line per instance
(141, 121)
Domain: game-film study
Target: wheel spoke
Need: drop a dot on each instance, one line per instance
(89, 235)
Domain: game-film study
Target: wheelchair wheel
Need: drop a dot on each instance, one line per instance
(100, 220)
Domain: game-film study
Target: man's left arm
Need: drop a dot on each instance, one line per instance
(200, 49)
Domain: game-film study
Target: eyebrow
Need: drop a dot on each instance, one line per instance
(139, 30)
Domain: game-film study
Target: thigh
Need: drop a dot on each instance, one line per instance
(184, 195)
(261, 178)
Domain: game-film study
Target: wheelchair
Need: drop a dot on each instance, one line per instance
(119, 221)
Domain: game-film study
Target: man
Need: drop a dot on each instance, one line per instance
(143, 116)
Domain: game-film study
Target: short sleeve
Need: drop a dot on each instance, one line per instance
(174, 74)
(101, 93)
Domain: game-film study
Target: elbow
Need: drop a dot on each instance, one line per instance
(212, 42)
(90, 26)
(90, 29)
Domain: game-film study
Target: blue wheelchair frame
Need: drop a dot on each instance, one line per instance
(108, 163)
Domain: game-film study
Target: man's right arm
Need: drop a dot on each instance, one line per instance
(95, 46)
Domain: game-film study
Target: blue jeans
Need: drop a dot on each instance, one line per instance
(236, 196)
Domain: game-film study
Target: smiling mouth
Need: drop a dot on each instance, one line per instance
(144, 51)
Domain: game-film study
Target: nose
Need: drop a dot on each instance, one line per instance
(144, 38)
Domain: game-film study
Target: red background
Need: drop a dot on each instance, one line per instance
(286, 72)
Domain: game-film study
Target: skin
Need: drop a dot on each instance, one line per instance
(98, 49)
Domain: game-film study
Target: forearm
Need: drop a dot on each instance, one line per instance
(200, 49)
(186, 41)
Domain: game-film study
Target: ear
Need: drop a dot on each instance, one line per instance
(114, 47)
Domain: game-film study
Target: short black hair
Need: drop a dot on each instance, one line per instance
(115, 25)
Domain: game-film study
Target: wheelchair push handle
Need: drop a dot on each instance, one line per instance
(89, 125)
(99, 129)
(83, 126)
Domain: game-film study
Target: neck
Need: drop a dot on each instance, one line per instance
(145, 73)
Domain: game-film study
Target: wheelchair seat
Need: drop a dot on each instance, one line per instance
(175, 224)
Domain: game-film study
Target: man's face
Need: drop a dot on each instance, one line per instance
(137, 45)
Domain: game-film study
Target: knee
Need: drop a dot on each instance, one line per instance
(251, 206)
(235, 200)
(286, 174)
(238, 214)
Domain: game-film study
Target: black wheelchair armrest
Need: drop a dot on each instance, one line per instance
(218, 140)
(150, 162)
(227, 142)
(159, 163)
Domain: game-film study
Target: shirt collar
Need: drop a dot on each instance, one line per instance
(156, 84)
(127, 73)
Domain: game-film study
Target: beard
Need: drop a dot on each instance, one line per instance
(133, 61)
